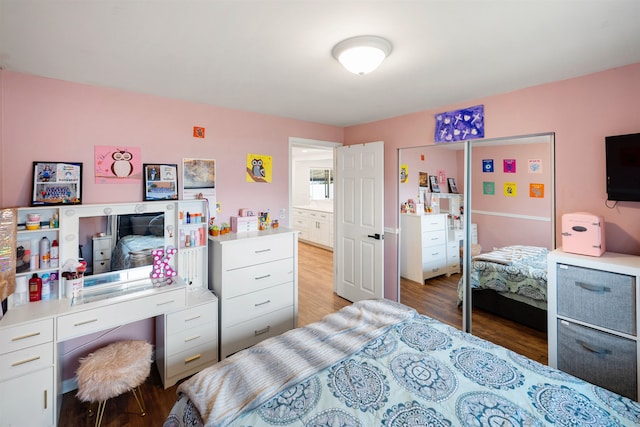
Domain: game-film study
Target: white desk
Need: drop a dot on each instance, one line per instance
(30, 373)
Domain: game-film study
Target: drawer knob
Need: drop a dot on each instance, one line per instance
(593, 288)
(262, 331)
(192, 358)
(594, 349)
(262, 303)
(22, 362)
(85, 322)
(22, 337)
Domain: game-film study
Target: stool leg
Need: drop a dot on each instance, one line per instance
(100, 412)
(139, 400)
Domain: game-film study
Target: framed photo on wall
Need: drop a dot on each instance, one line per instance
(433, 184)
(453, 188)
(56, 183)
(160, 181)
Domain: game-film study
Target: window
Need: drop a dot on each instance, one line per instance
(321, 184)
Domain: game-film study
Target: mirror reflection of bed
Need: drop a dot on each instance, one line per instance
(502, 221)
(127, 239)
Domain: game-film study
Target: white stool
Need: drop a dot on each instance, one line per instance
(112, 371)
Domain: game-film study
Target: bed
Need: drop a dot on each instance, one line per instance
(380, 363)
(511, 282)
(138, 235)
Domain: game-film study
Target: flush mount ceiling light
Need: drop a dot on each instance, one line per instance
(362, 54)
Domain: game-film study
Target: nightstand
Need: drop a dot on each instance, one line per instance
(101, 254)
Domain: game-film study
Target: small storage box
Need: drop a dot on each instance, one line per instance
(242, 224)
(583, 233)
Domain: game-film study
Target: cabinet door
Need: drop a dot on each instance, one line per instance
(28, 400)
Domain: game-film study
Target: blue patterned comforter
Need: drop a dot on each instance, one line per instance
(524, 275)
(423, 372)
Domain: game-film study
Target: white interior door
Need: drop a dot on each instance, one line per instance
(359, 221)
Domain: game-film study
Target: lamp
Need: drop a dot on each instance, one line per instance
(362, 54)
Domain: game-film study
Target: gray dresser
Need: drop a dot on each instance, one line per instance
(593, 319)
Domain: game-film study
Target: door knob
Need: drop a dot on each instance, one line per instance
(376, 236)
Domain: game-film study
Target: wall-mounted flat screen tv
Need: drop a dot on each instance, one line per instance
(623, 167)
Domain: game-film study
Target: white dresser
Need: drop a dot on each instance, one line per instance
(101, 254)
(255, 276)
(424, 246)
(593, 319)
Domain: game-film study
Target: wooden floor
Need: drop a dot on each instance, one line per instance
(315, 300)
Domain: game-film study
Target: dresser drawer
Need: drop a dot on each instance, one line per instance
(101, 266)
(433, 222)
(100, 318)
(100, 254)
(434, 254)
(597, 297)
(26, 360)
(201, 315)
(257, 277)
(200, 356)
(434, 238)
(246, 334)
(246, 252)
(257, 303)
(598, 357)
(25, 335)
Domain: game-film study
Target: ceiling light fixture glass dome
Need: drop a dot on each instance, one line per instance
(362, 54)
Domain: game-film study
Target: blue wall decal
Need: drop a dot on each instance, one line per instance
(460, 125)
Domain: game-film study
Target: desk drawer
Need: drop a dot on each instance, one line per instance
(239, 309)
(193, 337)
(21, 362)
(100, 318)
(246, 334)
(204, 314)
(203, 354)
(257, 277)
(601, 298)
(26, 335)
(243, 253)
(100, 254)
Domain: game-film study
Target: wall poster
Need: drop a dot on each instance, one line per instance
(199, 181)
(460, 125)
(259, 168)
(117, 164)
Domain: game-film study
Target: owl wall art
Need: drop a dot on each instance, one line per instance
(117, 164)
(259, 168)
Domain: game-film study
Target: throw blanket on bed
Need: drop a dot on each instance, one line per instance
(276, 363)
(511, 254)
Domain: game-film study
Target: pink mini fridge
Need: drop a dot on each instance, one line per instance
(583, 233)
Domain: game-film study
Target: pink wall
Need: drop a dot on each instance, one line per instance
(46, 119)
(581, 112)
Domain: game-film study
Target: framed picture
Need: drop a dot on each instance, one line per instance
(453, 188)
(160, 181)
(56, 183)
(433, 183)
(423, 180)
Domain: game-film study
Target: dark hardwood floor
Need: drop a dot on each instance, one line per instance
(315, 300)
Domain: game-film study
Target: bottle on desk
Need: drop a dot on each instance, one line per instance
(35, 288)
(45, 253)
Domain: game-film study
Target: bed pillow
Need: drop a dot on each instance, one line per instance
(140, 225)
(156, 226)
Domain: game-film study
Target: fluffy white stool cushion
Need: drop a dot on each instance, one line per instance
(113, 370)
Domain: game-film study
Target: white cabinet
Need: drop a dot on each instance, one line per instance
(26, 374)
(28, 260)
(187, 340)
(192, 232)
(593, 319)
(455, 240)
(423, 246)
(314, 226)
(255, 276)
(101, 254)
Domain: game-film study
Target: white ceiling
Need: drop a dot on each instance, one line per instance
(274, 57)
